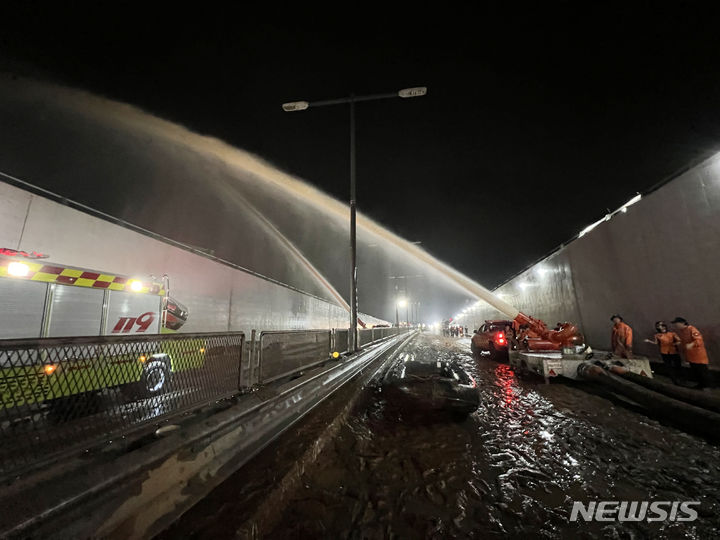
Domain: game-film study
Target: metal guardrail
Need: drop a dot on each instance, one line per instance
(285, 353)
(340, 340)
(60, 394)
(366, 336)
(86, 497)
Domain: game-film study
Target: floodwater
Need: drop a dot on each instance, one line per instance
(511, 469)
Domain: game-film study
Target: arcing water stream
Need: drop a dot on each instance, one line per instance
(129, 147)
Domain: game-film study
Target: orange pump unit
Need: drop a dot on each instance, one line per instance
(566, 335)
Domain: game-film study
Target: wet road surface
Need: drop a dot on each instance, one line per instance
(511, 469)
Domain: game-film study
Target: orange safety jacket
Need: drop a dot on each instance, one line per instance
(668, 342)
(697, 353)
(621, 338)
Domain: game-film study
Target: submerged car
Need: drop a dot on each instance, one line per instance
(436, 386)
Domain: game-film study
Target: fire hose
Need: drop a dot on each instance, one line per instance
(698, 419)
(688, 395)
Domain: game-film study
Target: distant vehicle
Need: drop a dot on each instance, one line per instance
(432, 386)
(490, 340)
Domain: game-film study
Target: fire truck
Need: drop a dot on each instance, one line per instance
(42, 299)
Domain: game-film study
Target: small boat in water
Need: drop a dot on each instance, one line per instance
(435, 386)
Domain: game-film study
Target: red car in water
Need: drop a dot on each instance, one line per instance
(492, 340)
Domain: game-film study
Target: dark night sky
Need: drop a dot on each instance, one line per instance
(535, 122)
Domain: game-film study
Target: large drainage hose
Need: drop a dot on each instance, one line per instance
(688, 395)
(683, 414)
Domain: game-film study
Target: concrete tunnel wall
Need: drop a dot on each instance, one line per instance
(218, 296)
(658, 260)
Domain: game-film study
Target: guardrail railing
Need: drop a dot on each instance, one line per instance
(285, 353)
(59, 395)
(340, 340)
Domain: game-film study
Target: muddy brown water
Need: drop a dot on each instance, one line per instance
(512, 469)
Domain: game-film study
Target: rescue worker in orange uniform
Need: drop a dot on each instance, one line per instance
(620, 338)
(668, 344)
(694, 348)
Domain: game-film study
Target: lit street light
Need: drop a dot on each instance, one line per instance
(400, 303)
(295, 106)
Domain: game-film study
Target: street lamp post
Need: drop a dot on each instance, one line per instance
(352, 99)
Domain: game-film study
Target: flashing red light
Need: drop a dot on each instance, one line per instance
(500, 338)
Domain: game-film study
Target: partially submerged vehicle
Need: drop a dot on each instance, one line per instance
(434, 386)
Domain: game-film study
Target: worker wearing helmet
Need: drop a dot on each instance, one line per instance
(668, 343)
(621, 338)
(694, 348)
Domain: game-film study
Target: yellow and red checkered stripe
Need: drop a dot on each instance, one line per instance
(51, 273)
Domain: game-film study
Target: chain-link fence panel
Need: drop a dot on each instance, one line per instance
(60, 394)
